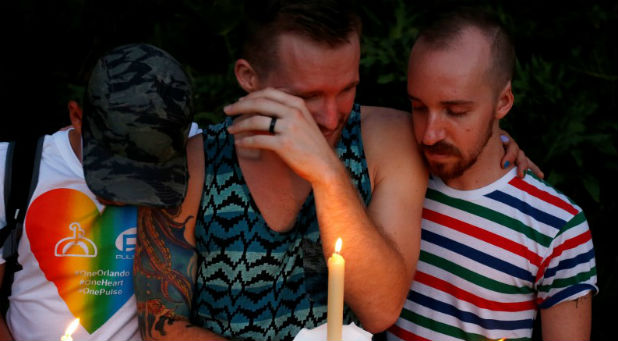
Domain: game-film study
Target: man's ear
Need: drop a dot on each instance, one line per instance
(505, 101)
(246, 76)
(75, 115)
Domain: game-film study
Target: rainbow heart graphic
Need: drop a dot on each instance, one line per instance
(87, 255)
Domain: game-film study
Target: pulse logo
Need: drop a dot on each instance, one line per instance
(125, 243)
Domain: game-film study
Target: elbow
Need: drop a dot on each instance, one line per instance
(385, 315)
(382, 323)
(383, 318)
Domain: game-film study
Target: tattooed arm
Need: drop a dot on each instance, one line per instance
(165, 262)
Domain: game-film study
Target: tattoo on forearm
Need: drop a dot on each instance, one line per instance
(163, 283)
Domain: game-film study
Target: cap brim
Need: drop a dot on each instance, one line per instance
(122, 180)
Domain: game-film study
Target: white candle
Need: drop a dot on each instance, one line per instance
(336, 272)
(70, 330)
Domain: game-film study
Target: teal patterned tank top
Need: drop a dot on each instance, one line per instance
(254, 283)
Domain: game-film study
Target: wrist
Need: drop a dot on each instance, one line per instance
(332, 175)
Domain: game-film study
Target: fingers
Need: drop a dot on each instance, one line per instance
(256, 141)
(269, 102)
(522, 164)
(511, 151)
(514, 154)
(279, 96)
(535, 169)
(252, 123)
(257, 110)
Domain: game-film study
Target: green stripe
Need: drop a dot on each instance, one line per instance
(575, 221)
(444, 328)
(566, 282)
(472, 276)
(489, 214)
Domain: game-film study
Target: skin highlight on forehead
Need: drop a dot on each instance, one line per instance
(457, 66)
(299, 55)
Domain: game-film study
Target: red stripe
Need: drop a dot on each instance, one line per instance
(568, 244)
(463, 295)
(405, 335)
(484, 235)
(552, 199)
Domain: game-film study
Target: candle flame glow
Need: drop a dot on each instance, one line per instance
(502, 339)
(72, 327)
(338, 245)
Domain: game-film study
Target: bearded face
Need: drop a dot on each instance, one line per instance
(452, 161)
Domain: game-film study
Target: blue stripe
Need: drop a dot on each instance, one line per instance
(477, 255)
(572, 290)
(570, 263)
(469, 317)
(526, 209)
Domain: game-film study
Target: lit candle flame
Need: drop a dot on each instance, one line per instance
(502, 339)
(338, 245)
(70, 330)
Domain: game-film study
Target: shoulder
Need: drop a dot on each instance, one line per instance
(553, 216)
(384, 128)
(547, 198)
(376, 117)
(387, 128)
(389, 143)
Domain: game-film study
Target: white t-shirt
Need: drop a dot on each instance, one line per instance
(76, 254)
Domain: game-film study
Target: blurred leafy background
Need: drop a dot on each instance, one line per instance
(565, 85)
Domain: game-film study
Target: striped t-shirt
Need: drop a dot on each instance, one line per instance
(491, 256)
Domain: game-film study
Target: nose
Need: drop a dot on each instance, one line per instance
(327, 116)
(434, 130)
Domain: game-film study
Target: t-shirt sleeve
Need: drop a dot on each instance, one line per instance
(194, 130)
(3, 150)
(569, 271)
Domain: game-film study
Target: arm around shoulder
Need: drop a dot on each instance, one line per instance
(380, 281)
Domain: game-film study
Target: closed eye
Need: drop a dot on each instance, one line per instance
(456, 112)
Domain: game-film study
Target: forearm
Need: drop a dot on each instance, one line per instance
(181, 330)
(164, 273)
(377, 276)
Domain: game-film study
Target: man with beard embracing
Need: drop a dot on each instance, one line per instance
(495, 248)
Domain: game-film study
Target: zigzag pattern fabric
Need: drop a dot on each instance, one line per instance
(254, 283)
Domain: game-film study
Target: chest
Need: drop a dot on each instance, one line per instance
(277, 193)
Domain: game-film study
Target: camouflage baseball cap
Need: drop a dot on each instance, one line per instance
(137, 115)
